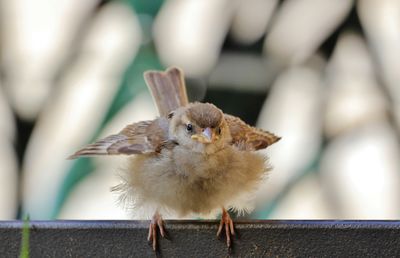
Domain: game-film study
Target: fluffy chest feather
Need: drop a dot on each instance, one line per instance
(199, 166)
(188, 182)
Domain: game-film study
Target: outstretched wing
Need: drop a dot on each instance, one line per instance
(168, 89)
(138, 138)
(247, 137)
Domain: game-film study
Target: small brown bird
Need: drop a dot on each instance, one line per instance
(193, 159)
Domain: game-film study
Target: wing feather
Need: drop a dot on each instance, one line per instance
(138, 138)
(247, 137)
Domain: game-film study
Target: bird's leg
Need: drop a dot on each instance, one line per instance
(227, 223)
(156, 221)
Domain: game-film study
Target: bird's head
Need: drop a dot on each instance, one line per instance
(200, 127)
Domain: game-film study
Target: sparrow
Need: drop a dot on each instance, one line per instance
(192, 159)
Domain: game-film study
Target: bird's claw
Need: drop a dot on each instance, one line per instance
(227, 224)
(155, 223)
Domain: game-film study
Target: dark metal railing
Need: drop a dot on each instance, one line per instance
(198, 239)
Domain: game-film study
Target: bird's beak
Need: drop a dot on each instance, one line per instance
(205, 137)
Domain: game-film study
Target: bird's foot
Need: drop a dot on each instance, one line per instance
(227, 224)
(156, 222)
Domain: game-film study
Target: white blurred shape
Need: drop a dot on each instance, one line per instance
(242, 71)
(8, 163)
(114, 38)
(190, 33)
(361, 168)
(8, 181)
(7, 123)
(251, 19)
(306, 200)
(354, 97)
(73, 116)
(292, 111)
(381, 21)
(37, 36)
(301, 26)
(92, 199)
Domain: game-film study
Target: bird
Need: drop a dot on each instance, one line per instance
(191, 159)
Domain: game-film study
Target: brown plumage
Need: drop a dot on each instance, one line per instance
(205, 115)
(193, 159)
(248, 137)
(133, 139)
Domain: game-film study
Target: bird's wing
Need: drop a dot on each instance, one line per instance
(247, 137)
(138, 138)
(168, 89)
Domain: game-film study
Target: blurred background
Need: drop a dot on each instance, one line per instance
(322, 74)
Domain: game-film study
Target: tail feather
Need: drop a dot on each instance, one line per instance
(168, 89)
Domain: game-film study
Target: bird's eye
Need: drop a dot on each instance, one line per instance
(189, 128)
(219, 130)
